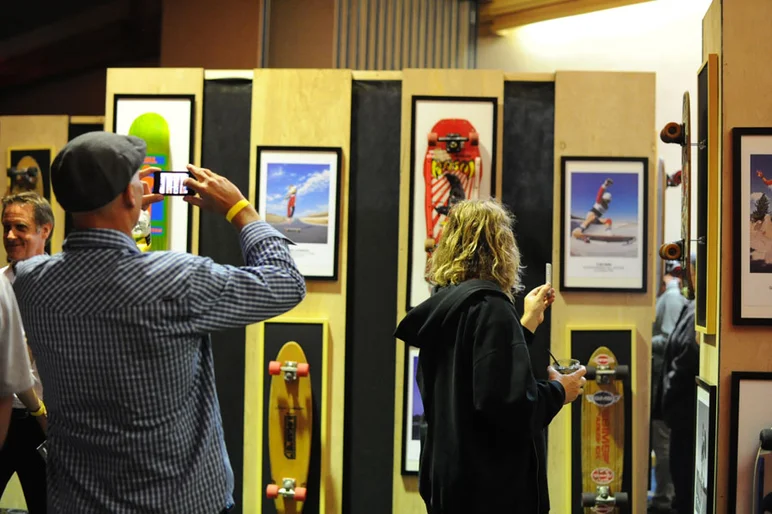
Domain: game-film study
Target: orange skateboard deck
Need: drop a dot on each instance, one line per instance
(680, 133)
(452, 172)
(290, 418)
(603, 433)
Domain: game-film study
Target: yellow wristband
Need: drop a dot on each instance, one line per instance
(233, 211)
(41, 411)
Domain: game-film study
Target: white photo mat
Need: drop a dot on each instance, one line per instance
(311, 175)
(612, 257)
(481, 113)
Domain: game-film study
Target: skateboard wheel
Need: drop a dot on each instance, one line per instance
(765, 439)
(622, 371)
(588, 499)
(670, 251)
(672, 133)
(274, 368)
(621, 498)
(474, 138)
(303, 369)
(432, 138)
(590, 375)
(300, 494)
(429, 244)
(272, 491)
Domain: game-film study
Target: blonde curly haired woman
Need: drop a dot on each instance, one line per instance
(483, 449)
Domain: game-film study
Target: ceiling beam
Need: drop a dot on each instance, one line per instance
(547, 10)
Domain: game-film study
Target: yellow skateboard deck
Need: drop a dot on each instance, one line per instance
(603, 433)
(290, 417)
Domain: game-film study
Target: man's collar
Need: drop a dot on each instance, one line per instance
(99, 238)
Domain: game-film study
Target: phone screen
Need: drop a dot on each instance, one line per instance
(170, 183)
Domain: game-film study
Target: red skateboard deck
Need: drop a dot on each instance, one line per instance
(452, 172)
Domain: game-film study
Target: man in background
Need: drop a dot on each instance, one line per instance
(28, 222)
(122, 338)
(667, 311)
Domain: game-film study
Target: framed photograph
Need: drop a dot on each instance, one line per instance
(705, 447)
(750, 414)
(166, 124)
(452, 149)
(297, 193)
(603, 224)
(752, 170)
(29, 169)
(413, 418)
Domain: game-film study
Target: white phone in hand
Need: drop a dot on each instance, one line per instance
(548, 274)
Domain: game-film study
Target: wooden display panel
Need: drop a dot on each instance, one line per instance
(305, 108)
(608, 114)
(162, 81)
(453, 83)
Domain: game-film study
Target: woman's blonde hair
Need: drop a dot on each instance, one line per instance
(477, 241)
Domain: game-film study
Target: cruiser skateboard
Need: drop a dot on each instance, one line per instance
(154, 130)
(452, 172)
(680, 134)
(762, 492)
(290, 420)
(603, 433)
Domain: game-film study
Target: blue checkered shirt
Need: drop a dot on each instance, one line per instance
(122, 344)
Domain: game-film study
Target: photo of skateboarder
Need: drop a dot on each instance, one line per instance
(597, 211)
(595, 232)
(760, 225)
(290, 197)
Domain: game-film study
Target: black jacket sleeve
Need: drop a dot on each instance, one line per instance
(505, 391)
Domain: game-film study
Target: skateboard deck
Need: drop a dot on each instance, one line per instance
(603, 433)
(290, 418)
(154, 130)
(680, 133)
(762, 489)
(452, 172)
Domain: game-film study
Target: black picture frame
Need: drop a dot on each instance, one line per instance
(330, 272)
(705, 446)
(488, 102)
(742, 197)
(607, 283)
(412, 427)
(744, 431)
(192, 144)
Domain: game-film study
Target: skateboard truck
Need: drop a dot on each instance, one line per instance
(605, 375)
(292, 370)
(603, 497)
(287, 490)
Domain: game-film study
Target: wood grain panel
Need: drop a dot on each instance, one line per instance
(303, 108)
(746, 52)
(160, 81)
(438, 83)
(604, 114)
(35, 132)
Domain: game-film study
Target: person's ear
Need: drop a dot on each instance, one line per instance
(45, 231)
(129, 199)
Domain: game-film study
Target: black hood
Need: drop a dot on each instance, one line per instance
(424, 321)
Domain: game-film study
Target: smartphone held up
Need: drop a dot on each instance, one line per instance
(171, 183)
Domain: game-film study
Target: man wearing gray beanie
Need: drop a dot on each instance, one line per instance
(122, 339)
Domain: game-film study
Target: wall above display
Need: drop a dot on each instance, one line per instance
(603, 224)
(297, 193)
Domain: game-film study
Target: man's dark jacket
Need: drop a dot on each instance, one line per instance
(484, 448)
(681, 365)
